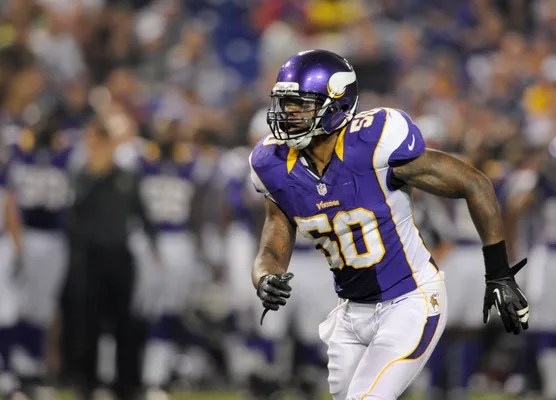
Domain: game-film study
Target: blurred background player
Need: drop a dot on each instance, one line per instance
(534, 197)
(167, 187)
(242, 223)
(10, 254)
(463, 337)
(40, 163)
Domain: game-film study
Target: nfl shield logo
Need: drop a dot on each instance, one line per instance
(321, 188)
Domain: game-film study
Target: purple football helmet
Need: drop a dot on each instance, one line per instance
(315, 93)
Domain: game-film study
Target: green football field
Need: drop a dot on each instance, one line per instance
(231, 396)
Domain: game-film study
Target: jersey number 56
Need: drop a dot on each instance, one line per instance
(358, 244)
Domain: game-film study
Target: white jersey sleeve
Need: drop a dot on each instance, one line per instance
(401, 140)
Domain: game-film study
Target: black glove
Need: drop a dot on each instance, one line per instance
(273, 290)
(502, 291)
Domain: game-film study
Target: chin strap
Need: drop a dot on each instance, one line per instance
(302, 142)
(299, 143)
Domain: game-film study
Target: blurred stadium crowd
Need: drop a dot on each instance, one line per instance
(477, 76)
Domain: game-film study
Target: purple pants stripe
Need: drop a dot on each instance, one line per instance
(426, 337)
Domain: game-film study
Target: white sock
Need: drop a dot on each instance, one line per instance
(157, 363)
(241, 359)
(106, 362)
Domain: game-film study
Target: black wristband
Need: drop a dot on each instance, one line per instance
(496, 261)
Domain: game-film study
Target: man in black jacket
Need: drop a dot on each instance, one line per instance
(102, 274)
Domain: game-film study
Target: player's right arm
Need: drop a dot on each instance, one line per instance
(277, 241)
(271, 263)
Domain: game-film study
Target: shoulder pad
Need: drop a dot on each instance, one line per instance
(358, 139)
(386, 136)
(268, 164)
(369, 124)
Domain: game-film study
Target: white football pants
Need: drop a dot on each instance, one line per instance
(376, 350)
(45, 259)
(9, 295)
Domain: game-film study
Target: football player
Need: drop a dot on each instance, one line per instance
(39, 172)
(534, 196)
(166, 186)
(10, 251)
(344, 180)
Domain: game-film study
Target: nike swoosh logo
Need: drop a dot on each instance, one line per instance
(497, 292)
(499, 303)
(412, 145)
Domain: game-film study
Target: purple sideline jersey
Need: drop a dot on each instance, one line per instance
(238, 190)
(166, 186)
(40, 179)
(362, 224)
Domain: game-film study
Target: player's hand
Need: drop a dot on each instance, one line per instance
(273, 290)
(510, 302)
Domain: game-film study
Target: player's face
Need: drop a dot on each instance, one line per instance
(301, 113)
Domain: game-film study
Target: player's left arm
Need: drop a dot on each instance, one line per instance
(444, 175)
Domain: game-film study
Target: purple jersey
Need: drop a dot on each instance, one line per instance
(40, 178)
(166, 187)
(362, 224)
(240, 195)
(238, 189)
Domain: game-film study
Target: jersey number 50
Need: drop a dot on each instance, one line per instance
(363, 252)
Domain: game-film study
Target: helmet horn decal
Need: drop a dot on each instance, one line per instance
(338, 83)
